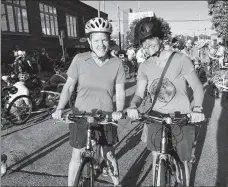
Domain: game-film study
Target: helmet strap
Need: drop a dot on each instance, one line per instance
(158, 52)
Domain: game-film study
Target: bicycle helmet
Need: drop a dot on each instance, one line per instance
(21, 53)
(98, 25)
(148, 27)
(23, 76)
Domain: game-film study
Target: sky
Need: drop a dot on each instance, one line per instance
(174, 12)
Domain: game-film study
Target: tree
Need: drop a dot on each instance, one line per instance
(130, 33)
(165, 28)
(219, 12)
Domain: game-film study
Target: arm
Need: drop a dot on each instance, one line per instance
(193, 80)
(120, 97)
(66, 92)
(68, 88)
(139, 94)
(197, 88)
(140, 87)
(120, 90)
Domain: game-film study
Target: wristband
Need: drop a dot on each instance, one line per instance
(199, 107)
(132, 107)
(59, 108)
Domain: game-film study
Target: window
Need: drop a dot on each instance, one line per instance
(49, 22)
(71, 26)
(14, 16)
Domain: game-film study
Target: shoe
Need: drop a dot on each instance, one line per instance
(3, 164)
(105, 171)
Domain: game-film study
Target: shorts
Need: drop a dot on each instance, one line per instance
(181, 139)
(105, 135)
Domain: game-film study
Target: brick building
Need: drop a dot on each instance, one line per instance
(33, 24)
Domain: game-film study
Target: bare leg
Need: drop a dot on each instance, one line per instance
(74, 165)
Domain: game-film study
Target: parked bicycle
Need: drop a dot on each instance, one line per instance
(218, 84)
(17, 110)
(90, 164)
(168, 170)
(51, 89)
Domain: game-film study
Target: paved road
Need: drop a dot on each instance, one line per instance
(39, 152)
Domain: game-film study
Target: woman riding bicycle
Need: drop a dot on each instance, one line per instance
(97, 73)
(173, 94)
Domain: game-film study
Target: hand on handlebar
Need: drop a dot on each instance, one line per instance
(197, 117)
(133, 113)
(117, 115)
(57, 114)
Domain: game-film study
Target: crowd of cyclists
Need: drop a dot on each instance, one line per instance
(99, 72)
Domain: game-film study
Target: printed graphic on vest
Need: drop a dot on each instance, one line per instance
(167, 91)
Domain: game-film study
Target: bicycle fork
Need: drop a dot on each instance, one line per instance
(159, 157)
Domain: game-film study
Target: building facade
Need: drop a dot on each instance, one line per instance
(38, 24)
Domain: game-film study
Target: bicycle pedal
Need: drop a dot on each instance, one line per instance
(193, 160)
(105, 171)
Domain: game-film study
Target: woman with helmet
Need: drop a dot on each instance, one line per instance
(96, 73)
(23, 62)
(173, 94)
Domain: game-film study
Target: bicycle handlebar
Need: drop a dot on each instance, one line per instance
(100, 118)
(167, 118)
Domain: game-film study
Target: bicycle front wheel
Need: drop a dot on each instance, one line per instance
(162, 175)
(85, 175)
(19, 110)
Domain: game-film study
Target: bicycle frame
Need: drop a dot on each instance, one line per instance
(163, 154)
(89, 152)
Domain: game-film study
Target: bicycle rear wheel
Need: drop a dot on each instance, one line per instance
(85, 175)
(19, 110)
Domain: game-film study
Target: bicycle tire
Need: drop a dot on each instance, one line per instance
(11, 104)
(88, 165)
(37, 100)
(224, 101)
(162, 172)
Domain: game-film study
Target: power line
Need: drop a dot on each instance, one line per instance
(119, 7)
(168, 20)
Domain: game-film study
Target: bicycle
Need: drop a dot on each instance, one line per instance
(90, 158)
(219, 83)
(168, 170)
(17, 111)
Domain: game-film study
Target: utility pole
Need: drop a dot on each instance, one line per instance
(118, 12)
(104, 5)
(99, 9)
(139, 6)
(198, 26)
(205, 34)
